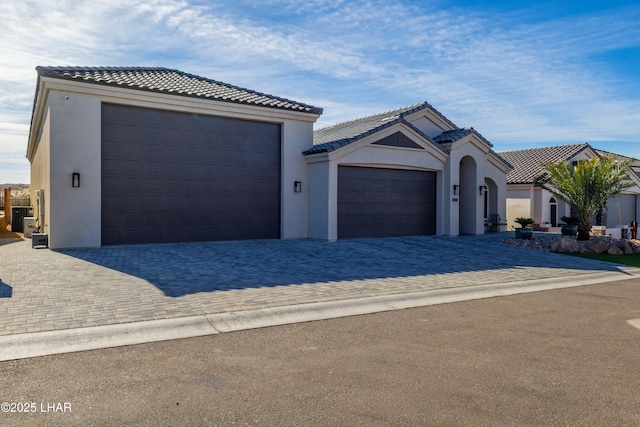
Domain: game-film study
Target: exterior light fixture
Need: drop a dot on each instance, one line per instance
(483, 189)
(75, 179)
(456, 189)
(297, 186)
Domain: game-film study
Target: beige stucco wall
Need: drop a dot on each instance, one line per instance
(518, 204)
(40, 171)
(517, 208)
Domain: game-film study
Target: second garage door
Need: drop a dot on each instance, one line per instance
(176, 177)
(376, 202)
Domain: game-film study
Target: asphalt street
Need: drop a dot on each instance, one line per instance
(559, 357)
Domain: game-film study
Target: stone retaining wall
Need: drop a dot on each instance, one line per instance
(595, 245)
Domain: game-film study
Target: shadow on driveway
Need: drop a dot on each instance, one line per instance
(5, 290)
(186, 268)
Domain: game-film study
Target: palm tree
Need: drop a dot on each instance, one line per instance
(587, 185)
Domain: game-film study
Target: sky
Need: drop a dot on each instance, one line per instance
(524, 74)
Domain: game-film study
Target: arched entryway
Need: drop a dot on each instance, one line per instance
(468, 195)
(490, 198)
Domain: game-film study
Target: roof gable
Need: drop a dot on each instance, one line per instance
(336, 136)
(173, 82)
(398, 139)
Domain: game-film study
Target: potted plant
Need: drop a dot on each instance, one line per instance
(524, 232)
(571, 226)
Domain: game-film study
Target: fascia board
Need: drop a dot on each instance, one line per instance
(36, 119)
(134, 97)
(317, 157)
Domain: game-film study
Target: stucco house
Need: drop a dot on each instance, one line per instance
(402, 172)
(526, 199)
(124, 155)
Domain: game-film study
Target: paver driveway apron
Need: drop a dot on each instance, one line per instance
(45, 290)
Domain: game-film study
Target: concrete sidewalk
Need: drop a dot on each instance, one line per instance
(58, 301)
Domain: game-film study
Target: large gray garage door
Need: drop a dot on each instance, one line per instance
(374, 202)
(176, 177)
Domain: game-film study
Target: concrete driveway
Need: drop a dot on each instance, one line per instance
(42, 291)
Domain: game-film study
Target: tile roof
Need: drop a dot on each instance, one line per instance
(529, 164)
(502, 159)
(333, 137)
(175, 82)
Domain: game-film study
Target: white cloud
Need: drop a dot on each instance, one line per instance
(511, 80)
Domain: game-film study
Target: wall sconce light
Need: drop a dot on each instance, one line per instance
(297, 186)
(75, 179)
(483, 189)
(456, 189)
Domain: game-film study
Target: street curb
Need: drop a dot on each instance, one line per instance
(634, 322)
(260, 318)
(23, 346)
(35, 344)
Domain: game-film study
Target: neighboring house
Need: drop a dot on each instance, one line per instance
(150, 155)
(526, 199)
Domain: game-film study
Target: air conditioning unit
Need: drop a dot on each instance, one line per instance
(29, 226)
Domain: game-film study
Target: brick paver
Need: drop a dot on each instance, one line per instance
(43, 290)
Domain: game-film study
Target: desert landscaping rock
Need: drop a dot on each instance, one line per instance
(564, 244)
(614, 250)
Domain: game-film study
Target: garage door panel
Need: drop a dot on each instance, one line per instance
(376, 202)
(191, 177)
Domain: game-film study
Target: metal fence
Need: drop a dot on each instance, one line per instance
(15, 201)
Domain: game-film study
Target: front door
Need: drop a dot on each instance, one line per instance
(553, 209)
